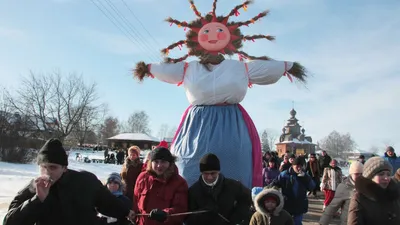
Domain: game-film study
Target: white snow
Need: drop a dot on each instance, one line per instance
(14, 177)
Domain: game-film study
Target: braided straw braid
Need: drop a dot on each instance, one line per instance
(165, 51)
(178, 23)
(252, 57)
(193, 6)
(171, 60)
(259, 36)
(254, 19)
(234, 10)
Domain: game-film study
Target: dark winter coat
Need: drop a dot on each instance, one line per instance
(123, 221)
(169, 194)
(324, 162)
(294, 190)
(394, 161)
(269, 174)
(228, 197)
(72, 200)
(262, 217)
(130, 172)
(372, 205)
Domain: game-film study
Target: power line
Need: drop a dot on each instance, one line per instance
(141, 24)
(118, 26)
(131, 27)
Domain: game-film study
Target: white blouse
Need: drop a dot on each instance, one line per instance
(227, 82)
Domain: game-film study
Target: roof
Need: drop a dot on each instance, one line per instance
(134, 137)
(296, 141)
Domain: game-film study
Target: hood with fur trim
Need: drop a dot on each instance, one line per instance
(374, 192)
(259, 201)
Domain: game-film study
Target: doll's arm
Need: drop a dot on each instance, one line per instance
(172, 73)
(264, 72)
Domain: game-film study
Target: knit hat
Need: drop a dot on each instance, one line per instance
(375, 165)
(114, 177)
(163, 144)
(209, 162)
(356, 167)
(52, 152)
(161, 153)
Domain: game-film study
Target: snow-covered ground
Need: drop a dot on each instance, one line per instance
(14, 177)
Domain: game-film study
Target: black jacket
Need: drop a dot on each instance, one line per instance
(228, 197)
(75, 199)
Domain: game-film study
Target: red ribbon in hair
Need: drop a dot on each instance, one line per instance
(287, 74)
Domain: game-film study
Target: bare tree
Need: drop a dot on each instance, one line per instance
(268, 139)
(171, 132)
(138, 122)
(91, 120)
(109, 128)
(374, 149)
(336, 143)
(54, 103)
(163, 132)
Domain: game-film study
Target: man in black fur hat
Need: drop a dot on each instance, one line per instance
(228, 201)
(62, 196)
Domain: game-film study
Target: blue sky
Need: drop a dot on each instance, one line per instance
(351, 49)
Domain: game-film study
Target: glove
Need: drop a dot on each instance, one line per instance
(158, 215)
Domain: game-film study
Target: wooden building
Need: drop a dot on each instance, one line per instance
(125, 140)
(293, 138)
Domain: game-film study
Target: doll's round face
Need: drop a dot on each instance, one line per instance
(214, 36)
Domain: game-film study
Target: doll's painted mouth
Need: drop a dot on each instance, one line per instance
(213, 41)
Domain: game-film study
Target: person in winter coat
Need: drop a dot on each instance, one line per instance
(343, 194)
(295, 184)
(227, 201)
(314, 171)
(115, 185)
(270, 172)
(324, 160)
(392, 158)
(160, 191)
(286, 163)
(131, 169)
(330, 181)
(269, 209)
(377, 197)
(397, 175)
(63, 196)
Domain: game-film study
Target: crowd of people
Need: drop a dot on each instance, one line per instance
(152, 192)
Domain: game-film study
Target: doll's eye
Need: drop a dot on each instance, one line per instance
(220, 30)
(206, 31)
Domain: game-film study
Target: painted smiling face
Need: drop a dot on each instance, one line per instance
(214, 36)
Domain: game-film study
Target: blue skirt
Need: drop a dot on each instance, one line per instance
(218, 129)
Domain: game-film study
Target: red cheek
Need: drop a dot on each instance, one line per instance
(204, 37)
(222, 36)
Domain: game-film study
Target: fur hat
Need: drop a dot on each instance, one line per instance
(375, 165)
(209, 162)
(134, 148)
(53, 152)
(356, 167)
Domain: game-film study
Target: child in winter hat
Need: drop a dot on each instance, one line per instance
(113, 180)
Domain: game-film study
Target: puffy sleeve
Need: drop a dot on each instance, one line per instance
(265, 72)
(172, 73)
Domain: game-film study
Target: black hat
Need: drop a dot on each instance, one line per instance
(209, 162)
(161, 153)
(298, 161)
(53, 152)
